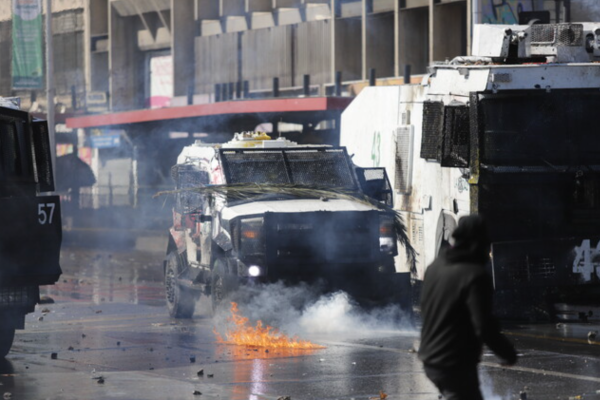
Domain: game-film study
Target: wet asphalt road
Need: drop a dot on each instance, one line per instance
(113, 339)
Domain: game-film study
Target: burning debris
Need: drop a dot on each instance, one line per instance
(243, 334)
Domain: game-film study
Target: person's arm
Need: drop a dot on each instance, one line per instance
(479, 302)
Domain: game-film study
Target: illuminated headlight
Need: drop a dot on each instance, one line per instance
(387, 235)
(254, 270)
(251, 236)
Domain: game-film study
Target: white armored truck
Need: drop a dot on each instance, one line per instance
(261, 210)
(508, 132)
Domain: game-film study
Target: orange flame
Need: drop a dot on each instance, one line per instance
(243, 334)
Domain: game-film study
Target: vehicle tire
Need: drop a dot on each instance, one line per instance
(180, 300)
(222, 283)
(7, 335)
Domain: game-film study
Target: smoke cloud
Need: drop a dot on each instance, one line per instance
(304, 310)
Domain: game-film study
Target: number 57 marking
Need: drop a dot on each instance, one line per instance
(45, 216)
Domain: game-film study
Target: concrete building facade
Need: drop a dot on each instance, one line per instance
(131, 54)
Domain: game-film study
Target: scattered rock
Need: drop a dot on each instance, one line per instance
(41, 318)
(98, 311)
(192, 359)
(266, 350)
(200, 373)
(70, 348)
(54, 356)
(412, 351)
(197, 393)
(45, 311)
(83, 335)
(284, 398)
(559, 325)
(210, 375)
(7, 395)
(100, 380)
(592, 335)
(118, 343)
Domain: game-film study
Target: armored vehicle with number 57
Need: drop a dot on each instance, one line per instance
(31, 233)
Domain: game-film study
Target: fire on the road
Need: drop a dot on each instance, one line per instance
(243, 334)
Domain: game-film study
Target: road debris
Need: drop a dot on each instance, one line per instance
(200, 373)
(592, 336)
(45, 311)
(41, 318)
(54, 356)
(197, 393)
(192, 359)
(100, 380)
(284, 398)
(210, 375)
(7, 395)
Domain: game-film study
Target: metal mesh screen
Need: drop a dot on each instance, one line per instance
(310, 167)
(570, 34)
(455, 149)
(186, 177)
(433, 113)
(321, 168)
(43, 160)
(403, 172)
(25, 296)
(542, 33)
(562, 34)
(256, 167)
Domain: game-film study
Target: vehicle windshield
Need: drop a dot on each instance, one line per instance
(540, 128)
(322, 168)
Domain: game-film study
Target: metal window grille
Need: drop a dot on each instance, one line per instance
(433, 121)
(43, 161)
(455, 149)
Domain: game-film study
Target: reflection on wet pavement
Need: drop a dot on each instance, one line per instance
(109, 321)
(109, 277)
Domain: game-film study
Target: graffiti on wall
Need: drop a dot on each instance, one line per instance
(504, 11)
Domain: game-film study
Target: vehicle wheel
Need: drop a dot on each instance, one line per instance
(180, 301)
(7, 335)
(222, 283)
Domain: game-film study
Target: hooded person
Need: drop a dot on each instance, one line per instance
(456, 310)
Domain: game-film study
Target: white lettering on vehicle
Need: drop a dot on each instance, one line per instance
(46, 213)
(587, 260)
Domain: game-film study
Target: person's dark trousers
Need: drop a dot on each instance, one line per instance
(458, 383)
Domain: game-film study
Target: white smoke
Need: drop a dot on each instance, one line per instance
(487, 387)
(303, 310)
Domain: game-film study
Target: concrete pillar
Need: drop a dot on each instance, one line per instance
(229, 8)
(208, 9)
(449, 30)
(126, 63)
(182, 45)
(413, 38)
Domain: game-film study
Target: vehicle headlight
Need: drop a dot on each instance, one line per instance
(252, 236)
(387, 234)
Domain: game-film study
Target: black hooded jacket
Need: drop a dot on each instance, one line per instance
(456, 303)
